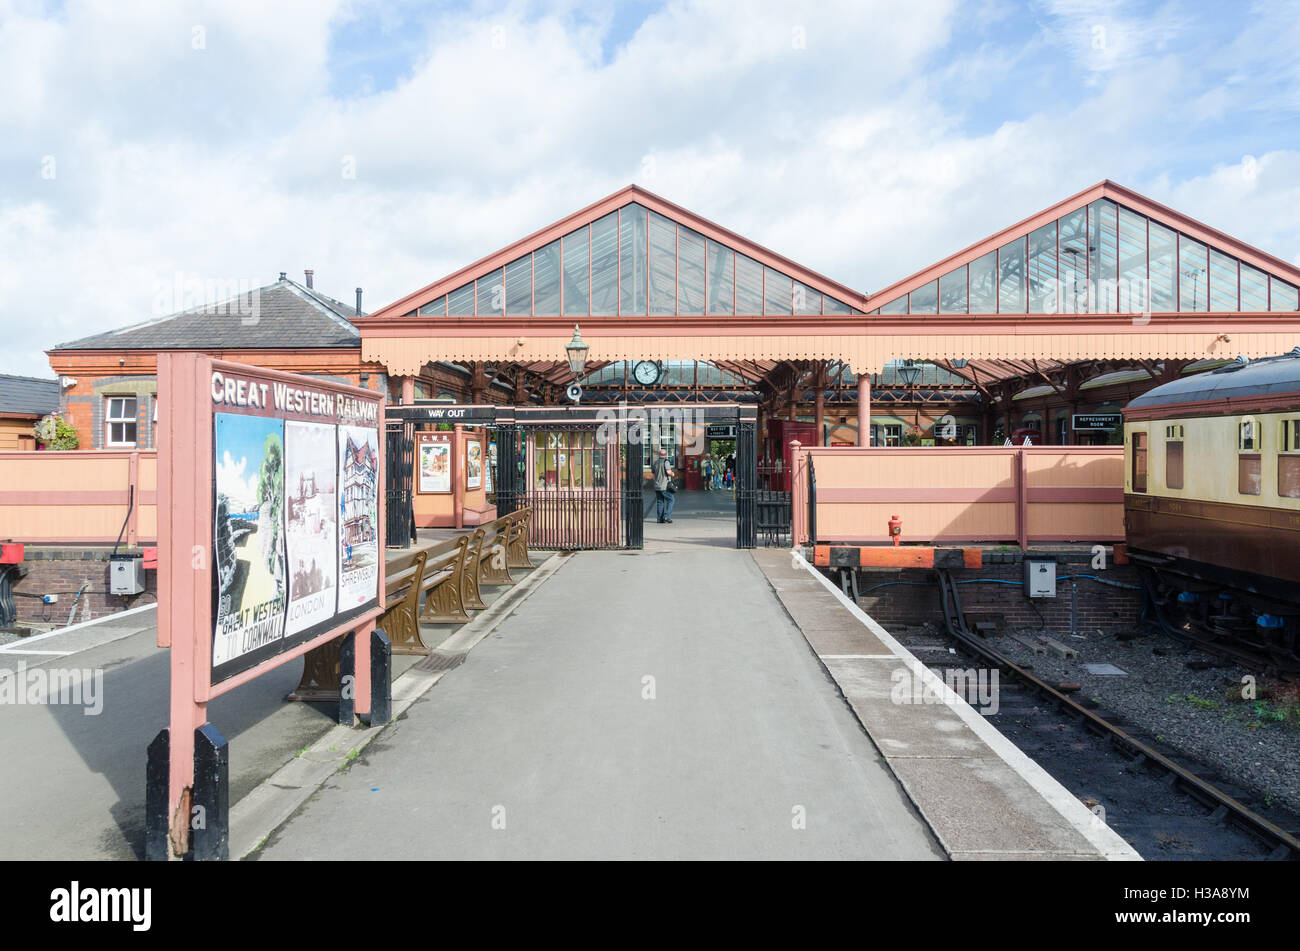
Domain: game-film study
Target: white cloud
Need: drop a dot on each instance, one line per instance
(863, 142)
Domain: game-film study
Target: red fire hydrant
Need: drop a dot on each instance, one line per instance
(895, 528)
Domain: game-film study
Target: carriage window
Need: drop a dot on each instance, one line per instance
(1249, 435)
(1288, 460)
(1248, 473)
(1139, 462)
(1248, 462)
(1174, 457)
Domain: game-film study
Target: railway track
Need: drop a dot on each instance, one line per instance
(1219, 808)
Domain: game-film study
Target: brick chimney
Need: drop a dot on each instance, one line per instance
(308, 273)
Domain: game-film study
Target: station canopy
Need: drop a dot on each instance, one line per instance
(1105, 275)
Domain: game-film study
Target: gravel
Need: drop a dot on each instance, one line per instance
(1180, 710)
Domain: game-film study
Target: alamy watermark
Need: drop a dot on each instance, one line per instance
(977, 686)
(650, 425)
(225, 296)
(53, 686)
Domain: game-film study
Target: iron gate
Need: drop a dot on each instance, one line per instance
(399, 470)
(508, 479)
(582, 489)
(633, 496)
(772, 504)
(746, 485)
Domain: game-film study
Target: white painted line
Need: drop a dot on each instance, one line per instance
(12, 648)
(858, 656)
(43, 653)
(1107, 841)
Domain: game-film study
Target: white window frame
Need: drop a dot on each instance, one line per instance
(110, 421)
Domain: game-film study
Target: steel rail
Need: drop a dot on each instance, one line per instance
(1285, 845)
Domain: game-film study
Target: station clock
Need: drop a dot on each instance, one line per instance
(646, 372)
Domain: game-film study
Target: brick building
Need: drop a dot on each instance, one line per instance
(110, 384)
(24, 400)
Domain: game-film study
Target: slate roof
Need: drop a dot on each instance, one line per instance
(28, 396)
(287, 315)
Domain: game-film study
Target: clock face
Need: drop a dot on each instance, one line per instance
(646, 372)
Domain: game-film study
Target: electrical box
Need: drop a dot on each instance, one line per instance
(125, 574)
(1040, 579)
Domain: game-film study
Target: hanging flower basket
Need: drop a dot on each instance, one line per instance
(55, 432)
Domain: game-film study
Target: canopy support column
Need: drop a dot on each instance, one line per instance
(864, 409)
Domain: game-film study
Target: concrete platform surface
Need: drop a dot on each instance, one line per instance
(654, 704)
(982, 797)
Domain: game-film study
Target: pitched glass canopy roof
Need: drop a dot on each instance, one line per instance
(633, 261)
(1102, 258)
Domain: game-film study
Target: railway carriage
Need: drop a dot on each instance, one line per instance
(1212, 502)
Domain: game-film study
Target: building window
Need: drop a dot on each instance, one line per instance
(568, 459)
(1139, 462)
(120, 421)
(1288, 460)
(1173, 457)
(887, 435)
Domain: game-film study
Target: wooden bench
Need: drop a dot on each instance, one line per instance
(448, 576)
(320, 669)
(402, 577)
(442, 584)
(493, 563)
(500, 548)
(517, 543)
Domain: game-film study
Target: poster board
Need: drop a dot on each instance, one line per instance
(434, 463)
(474, 459)
(269, 501)
(295, 529)
(273, 479)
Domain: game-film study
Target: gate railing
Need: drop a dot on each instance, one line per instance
(399, 469)
(746, 488)
(772, 505)
(633, 496)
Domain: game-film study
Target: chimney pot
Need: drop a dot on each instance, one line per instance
(358, 302)
(282, 275)
(308, 273)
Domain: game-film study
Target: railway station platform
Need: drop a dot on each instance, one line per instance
(980, 795)
(687, 701)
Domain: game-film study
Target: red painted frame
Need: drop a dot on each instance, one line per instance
(185, 565)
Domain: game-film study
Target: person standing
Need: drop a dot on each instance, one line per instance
(707, 466)
(663, 475)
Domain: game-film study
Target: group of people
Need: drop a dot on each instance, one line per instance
(718, 473)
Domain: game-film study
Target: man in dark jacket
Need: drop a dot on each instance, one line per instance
(663, 473)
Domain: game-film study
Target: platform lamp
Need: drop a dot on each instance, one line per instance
(909, 372)
(577, 351)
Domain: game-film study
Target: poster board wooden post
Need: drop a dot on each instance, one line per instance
(271, 523)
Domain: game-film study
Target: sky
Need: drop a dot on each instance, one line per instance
(385, 144)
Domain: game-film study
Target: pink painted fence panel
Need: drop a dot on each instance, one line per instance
(961, 493)
(79, 498)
